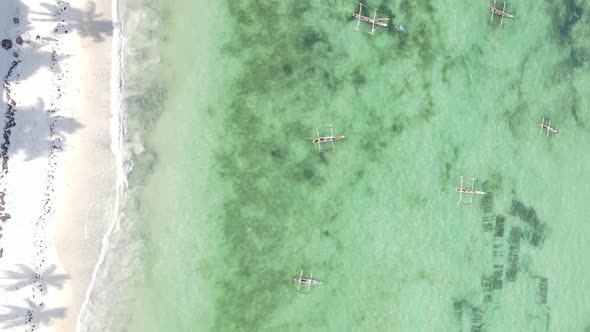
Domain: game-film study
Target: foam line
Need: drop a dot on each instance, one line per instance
(118, 129)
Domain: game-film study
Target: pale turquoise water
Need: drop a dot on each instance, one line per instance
(230, 200)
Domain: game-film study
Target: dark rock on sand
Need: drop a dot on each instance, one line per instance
(6, 44)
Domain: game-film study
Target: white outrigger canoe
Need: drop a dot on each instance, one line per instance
(546, 125)
(468, 191)
(500, 12)
(382, 22)
(306, 282)
(319, 140)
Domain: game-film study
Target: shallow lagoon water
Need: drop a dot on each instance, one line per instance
(230, 201)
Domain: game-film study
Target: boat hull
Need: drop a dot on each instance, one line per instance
(547, 128)
(327, 139)
(469, 191)
(369, 20)
(501, 13)
(307, 282)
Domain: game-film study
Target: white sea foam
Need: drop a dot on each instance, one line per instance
(115, 274)
(118, 128)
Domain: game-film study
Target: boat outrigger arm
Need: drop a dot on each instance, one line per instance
(502, 13)
(382, 22)
(306, 282)
(468, 191)
(319, 140)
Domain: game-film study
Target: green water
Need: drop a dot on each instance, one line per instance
(233, 201)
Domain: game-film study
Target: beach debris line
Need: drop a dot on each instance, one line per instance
(319, 140)
(546, 125)
(305, 282)
(382, 22)
(502, 13)
(468, 191)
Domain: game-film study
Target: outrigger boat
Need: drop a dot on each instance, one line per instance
(382, 22)
(462, 190)
(546, 126)
(326, 139)
(502, 13)
(306, 282)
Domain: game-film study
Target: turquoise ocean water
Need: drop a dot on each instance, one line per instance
(228, 200)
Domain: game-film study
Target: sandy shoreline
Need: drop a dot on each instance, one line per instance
(57, 186)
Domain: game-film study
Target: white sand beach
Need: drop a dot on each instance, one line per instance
(59, 173)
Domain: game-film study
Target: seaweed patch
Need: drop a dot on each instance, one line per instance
(358, 79)
(488, 222)
(490, 186)
(570, 29)
(277, 153)
(487, 202)
(513, 253)
(287, 69)
(493, 281)
(499, 229)
(542, 290)
(458, 311)
(566, 22)
(310, 38)
(498, 250)
(476, 319)
(529, 216)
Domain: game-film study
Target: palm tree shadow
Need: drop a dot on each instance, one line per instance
(86, 22)
(35, 59)
(24, 276)
(31, 314)
(35, 136)
(40, 128)
(30, 50)
(16, 316)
